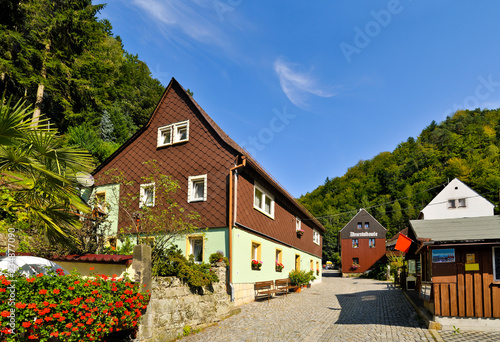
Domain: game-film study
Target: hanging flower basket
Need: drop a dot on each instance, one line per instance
(300, 232)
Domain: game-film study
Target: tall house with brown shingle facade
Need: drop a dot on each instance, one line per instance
(248, 214)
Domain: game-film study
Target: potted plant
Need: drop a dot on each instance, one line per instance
(256, 264)
(279, 266)
(218, 257)
(310, 278)
(354, 266)
(300, 232)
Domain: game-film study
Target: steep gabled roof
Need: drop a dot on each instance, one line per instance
(238, 150)
(362, 212)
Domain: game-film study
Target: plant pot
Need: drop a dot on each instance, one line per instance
(279, 270)
(255, 268)
(298, 289)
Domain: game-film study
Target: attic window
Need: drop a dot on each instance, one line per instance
(173, 134)
(451, 204)
(461, 203)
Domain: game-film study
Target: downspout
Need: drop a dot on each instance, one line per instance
(232, 214)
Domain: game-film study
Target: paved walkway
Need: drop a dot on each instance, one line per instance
(338, 309)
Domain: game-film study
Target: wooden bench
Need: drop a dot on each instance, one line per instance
(264, 288)
(283, 285)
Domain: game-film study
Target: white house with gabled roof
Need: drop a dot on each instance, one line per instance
(456, 200)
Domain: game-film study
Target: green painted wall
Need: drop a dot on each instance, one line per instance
(112, 194)
(242, 251)
(216, 239)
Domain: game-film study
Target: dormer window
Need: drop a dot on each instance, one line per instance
(173, 134)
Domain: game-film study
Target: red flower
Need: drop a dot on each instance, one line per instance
(56, 291)
(3, 290)
(71, 288)
(69, 325)
(20, 305)
(91, 268)
(26, 324)
(30, 280)
(76, 282)
(54, 333)
(33, 337)
(39, 275)
(39, 321)
(5, 313)
(42, 291)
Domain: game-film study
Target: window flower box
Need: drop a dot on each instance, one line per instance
(256, 265)
(279, 266)
(300, 232)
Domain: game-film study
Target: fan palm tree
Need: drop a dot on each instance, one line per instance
(37, 174)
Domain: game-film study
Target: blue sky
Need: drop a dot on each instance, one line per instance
(311, 88)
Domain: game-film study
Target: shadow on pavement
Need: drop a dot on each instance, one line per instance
(331, 273)
(376, 307)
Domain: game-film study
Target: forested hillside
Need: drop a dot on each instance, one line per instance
(59, 57)
(395, 186)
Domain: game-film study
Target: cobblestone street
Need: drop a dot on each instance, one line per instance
(338, 309)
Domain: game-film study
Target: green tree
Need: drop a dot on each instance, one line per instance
(38, 175)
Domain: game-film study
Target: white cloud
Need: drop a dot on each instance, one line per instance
(297, 85)
(184, 20)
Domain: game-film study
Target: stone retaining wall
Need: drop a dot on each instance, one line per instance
(173, 306)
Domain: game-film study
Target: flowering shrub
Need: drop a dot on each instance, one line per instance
(279, 266)
(67, 307)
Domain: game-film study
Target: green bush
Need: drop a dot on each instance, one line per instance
(173, 263)
(298, 278)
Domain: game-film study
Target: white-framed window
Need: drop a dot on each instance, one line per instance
(371, 243)
(174, 133)
(496, 263)
(462, 203)
(147, 195)
(316, 237)
(196, 248)
(197, 188)
(298, 224)
(263, 201)
(451, 204)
